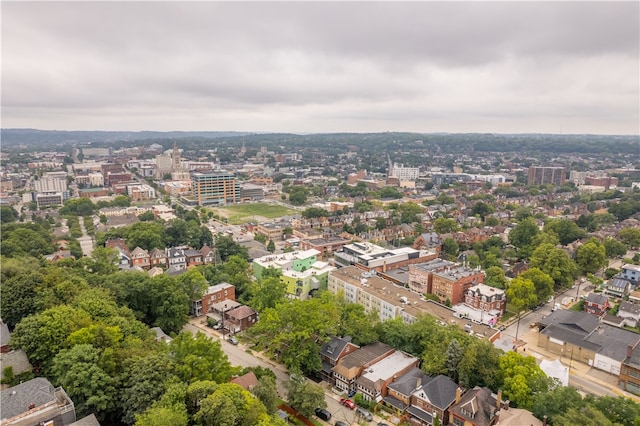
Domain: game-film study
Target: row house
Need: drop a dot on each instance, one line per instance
(140, 258)
(373, 381)
(630, 312)
(478, 407)
(629, 377)
(331, 352)
(421, 398)
(630, 273)
(618, 287)
(233, 316)
(350, 367)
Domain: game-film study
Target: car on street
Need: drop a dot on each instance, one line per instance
(348, 403)
(232, 340)
(341, 423)
(323, 414)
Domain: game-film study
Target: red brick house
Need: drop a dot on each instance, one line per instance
(214, 294)
(140, 258)
(158, 257)
(597, 304)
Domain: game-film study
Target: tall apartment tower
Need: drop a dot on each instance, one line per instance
(543, 175)
(176, 160)
(218, 188)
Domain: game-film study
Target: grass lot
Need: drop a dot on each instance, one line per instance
(244, 213)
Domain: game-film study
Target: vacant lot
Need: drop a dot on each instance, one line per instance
(244, 213)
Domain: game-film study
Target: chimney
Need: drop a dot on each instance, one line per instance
(32, 406)
(499, 399)
(629, 350)
(458, 394)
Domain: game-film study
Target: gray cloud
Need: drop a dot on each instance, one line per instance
(340, 66)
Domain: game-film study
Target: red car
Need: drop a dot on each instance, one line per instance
(348, 403)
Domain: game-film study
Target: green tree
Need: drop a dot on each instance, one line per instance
(193, 284)
(454, 356)
(89, 386)
(20, 240)
(522, 379)
(444, 226)
(631, 237)
(303, 395)
(19, 285)
(147, 216)
(43, 335)
(199, 358)
(584, 416)
(556, 263)
(556, 402)
(482, 209)
(619, 410)
(162, 416)
(479, 365)
(298, 195)
(267, 293)
(494, 277)
(521, 294)
(7, 214)
(359, 325)
(196, 392)
(314, 212)
(271, 246)
(226, 248)
(144, 380)
(541, 281)
(450, 248)
(267, 393)
(566, 230)
(168, 304)
(522, 235)
(614, 247)
(591, 256)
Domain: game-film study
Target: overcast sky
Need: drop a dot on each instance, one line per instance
(500, 67)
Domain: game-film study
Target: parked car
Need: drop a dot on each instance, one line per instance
(341, 423)
(348, 403)
(361, 412)
(218, 326)
(233, 340)
(352, 393)
(323, 414)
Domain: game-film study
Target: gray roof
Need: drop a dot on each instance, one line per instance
(629, 307)
(16, 359)
(618, 283)
(597, 298)
(365, 355)
(634, 359)
(90, 420)
(333, 348)
(420, 413)
(16, 399)
(480, 401)
(441, 391)
(4, 334)
(585, 330)
(408, 382)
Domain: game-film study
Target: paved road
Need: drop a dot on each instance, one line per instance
(86, 241)
(238, 355)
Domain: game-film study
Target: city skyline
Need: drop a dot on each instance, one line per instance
(307, 67)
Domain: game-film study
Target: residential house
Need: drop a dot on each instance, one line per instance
(158, 258)
(36, 402)
(596, 304)
(124, 261)
(629, 378)
(331, 352)
(634, 297)
(478, 407)
(487, 299)
(435, 397)
(176, 259)
(214, 294)
(618, 287)
(246, 381)
(428, 241)
(161, 336)
(630, 312)
(240, 318)
(208, 254)
(140, 258)
(117, 243)
(631, 273)
(193, 257)
(351, 366)
(17, 360)
(373, 381)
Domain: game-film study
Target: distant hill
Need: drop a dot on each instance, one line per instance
(54, 137)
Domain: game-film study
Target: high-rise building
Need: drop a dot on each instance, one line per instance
(217, 188)
(543, 175)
